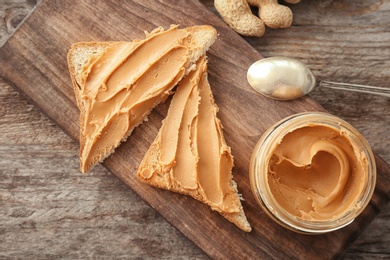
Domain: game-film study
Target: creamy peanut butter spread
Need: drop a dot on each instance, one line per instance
(119, 88)
(193, 156)
(287, 92)
(317, 173)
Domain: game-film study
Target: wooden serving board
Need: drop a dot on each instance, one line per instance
(34, 62)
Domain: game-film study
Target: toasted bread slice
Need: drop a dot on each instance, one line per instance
(110, 108)
(190, 155)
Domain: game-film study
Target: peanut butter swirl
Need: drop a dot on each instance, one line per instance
(317, 173)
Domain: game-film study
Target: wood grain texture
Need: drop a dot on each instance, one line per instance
(344, 42)
(50, 210)
(95, 221)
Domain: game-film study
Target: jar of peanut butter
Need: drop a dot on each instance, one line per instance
(313, 173)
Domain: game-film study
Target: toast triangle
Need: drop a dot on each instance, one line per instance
(190, 155)
(97, 138)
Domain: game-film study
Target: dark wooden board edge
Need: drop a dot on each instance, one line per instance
(377, 203)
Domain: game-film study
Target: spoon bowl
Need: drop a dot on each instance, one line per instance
(281, 78)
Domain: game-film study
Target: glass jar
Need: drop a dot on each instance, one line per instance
(260, 168)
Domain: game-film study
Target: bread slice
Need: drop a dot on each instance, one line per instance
(190, 155)
(105, 119)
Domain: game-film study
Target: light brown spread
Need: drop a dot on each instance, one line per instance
(119, 88)
(193, 152)
(287, 92)
(316, 173)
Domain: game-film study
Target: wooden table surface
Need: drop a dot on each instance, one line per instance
(41, 215)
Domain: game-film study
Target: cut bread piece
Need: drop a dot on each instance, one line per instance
(190, 155)
(117, 84)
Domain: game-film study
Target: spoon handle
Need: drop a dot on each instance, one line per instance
(357, 88)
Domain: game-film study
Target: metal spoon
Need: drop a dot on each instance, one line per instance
(285, 78)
